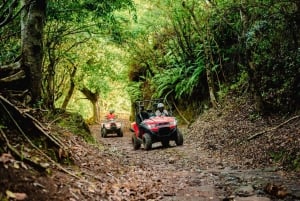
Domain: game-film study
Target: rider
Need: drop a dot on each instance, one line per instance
(111, 115)
(142, 113)
(161, 111)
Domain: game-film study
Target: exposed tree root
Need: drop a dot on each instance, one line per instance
(18, 155)
(25, 123)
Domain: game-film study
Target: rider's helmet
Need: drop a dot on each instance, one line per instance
(160, 106)
(111, 111)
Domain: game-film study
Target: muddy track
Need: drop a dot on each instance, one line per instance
(189, 173)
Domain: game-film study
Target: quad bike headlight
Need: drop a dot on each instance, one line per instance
(150, 126)
(173, 123)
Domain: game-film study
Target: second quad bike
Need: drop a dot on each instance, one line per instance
(111, 126)
(149, 129)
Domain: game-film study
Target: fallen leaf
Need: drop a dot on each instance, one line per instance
(10, 194)
(6, 158)
(45, 165)
(276, 190)
(16, 165)
(16, 196)
(20, 196)
(92, 188)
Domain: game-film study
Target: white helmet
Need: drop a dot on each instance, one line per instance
(160, 105)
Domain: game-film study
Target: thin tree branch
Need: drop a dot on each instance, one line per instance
(271, 129)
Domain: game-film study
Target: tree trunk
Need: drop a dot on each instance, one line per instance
(250, 66)
(71, 89)
(32, 24)
(210, 82)
(49, 98)
(96, 110)
(253, 79)
(209, 76)
(93, 97)
(208, 54)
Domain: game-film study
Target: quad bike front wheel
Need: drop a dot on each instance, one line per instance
(179, 138)
(147, 141)
(103, 132)
(135, 142)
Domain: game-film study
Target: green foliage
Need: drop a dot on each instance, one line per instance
(287, 159)
(239, 87)
(83, 36)
(171, 68)
(179, 81)
(225, 37)
(254, 115)
(296, 163)
(78, 11)
(3, 197)
(223, 91)
(9, 50)
(277, 156)
(134, 91)
(9, 40)
(76, 124)
(272, 39)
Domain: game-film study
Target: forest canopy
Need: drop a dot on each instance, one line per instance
(192, 53)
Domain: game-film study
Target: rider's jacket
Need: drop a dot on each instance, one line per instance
(163, 113)
(110, 116)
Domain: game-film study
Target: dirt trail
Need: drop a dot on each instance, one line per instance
(115, 172)
(173, 172)
(189, 173)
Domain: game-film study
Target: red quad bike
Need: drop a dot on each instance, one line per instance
(149, 129)
(111, 126)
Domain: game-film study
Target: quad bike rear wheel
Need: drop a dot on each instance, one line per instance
(179, 138)
(135, 142)
(147, 141)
